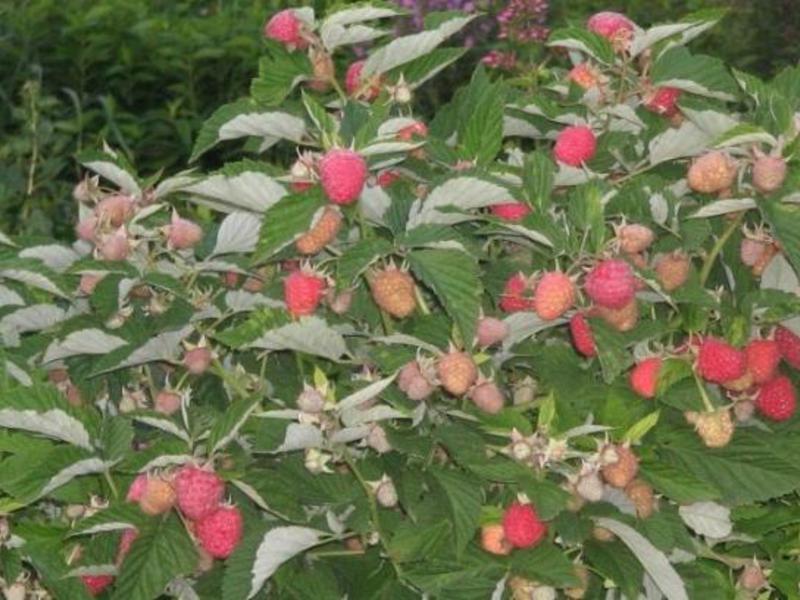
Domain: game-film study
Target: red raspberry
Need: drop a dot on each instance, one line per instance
(342, 173)
(777, 399)
(510, 211)
(582, 336)
(555, 295)
(611, 283)
(136, 491)
(410, 132)
(287, 29)
(575, 145)
(719, 362)
(517, 294)
(125, 542)
(522, 526)
(96, 583)
(614, 26)
(584, 75)
(663, 101)
(199, 492)
(387, 177)
(644, 377)
(355, 86)
(220, 532)
(302, 292)
(789, 345)
(763, 358)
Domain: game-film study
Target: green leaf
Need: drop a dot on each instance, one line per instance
(697, 74)
(163, 551)
(236, 581)
(480, 133)
(248, 331)
(116, 517)
(464, 500)
(615, 562)
(575, 38)
(784, 220)
(538, 177)
(676, 483)
(278, 73)
(228, 425)
(356, 259)
(423, 68)
(453, 276)
(640, 429)
(290, 217)
(545, 563)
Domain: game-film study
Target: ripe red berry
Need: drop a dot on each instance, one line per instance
(302, 292)
(285, 27)
(199, 491)
(611, 283)
(342, 173)
(575, 145)
(614, 26)
(777, 399)
(719, 362)
(522, 526)
(663, 101)
(554, 295)
(644, 377)
(356, 86)
(517, 294)
(763, 358)
(582, 336)
(220, 532)
(510, 211)
(789, 345)
(95, 584)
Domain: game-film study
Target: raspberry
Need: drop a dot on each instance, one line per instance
(115, 245)
(763, 358)
(582, 336)
(394, 291)
(620, 465)
(777, 399)
(611, 283)
(714, 428)
(182, 233)
(641, 494)
(310, 400)
(491, 331)
(356, 87)
(769, 252)
(672, 270)
(743, 410)
(158, 497)
(711, 173)
(644, 377)
(323, 69)
(89, 282)
(769, 172)
(408, 133)
(554, 295)
(199, 492)
(575, 145)
(622, 319)
(378, 440)
(286, 28)
(95, 584)
(302, 292)
(220, 532)
(751, 251)
(517, 294)
(339, 301)
(487, 397)
(115, 210)
(126, 540)
(614, 26)
(343, 173)
(411, 381)
(718, 361)
(584, 75)
(167, 402)
(634, 238)
(197, 360)
(387, 177)
(85, 229)
(740, 384)
(510, 211)
(457, 372)
(322, 233)
(493, 539)
(590, 487)
(789, 346)
(522, 526)
(136, 491)
(663, 101)
(752, 577)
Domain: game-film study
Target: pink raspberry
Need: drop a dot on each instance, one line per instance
(136, 491)
(510, 211)
(584, 75)
(302, 292)
(644, 377)
(95, 584)
(663, 101)
(355, 85)
(719, 362)
(343, 173)
(522, 526)
(408, 133)
(387, 177)
(199, 492)
(575, 145)
(183, 233)
(611, 283)
(517, 294)
(286, 28)
(220, 532)
(614, 26)
(582, 336)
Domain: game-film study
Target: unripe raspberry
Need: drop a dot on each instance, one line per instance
(601, 534)
(714, 428)
(230, 279)
(763, 358)
(711, 173)
(487, 397)
(672, 270)
(158, 497)
(522, 526)
(634, 238)
(579, 592)
(85, 229)
(85, 190)
(777, 399)
(285, 27)
(310, 400)
(493, 540)
(620, 465)
(751, 251)
(355, 85)
(611, 284)
(718, 361)
(199, 492)
(457, 372)
(763, 261)
(342, 173)
(89, 282)
(741, 384)
(623, 319)
(220, 532)
(590, 487)
(554, 295)
(614, 26)
(322, 233)
(378, 441)
(575, 145)
(582, 336)
(641, 494)
(663, 101)
(517, 294)
(386, 494)
(302, 292)
(644, 377)
(411, 381)
(138, 486)
(96, 584)
(324, 70)
(789, 346)
(183, 233)
(584, 75)
(394, 291)
(197, 360)
(769, 173)
(510, 211)
(114, 246)
(752, 577)
(115, 210)
(167, 402)
(491, 331)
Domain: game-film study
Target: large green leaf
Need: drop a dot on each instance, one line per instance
(286, 220)
(480, 132)
(784, 220)
(464, 500)
(698, 74)
(278, 73)
(575, 38)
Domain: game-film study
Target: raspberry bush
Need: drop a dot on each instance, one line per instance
(543, 344)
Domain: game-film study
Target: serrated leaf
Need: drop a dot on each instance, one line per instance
(460, 193)
(356, 259)
(784, 220)
(481, 135)
(463, 504)
(237, 233)
(113, 168)
(707, 518)
(278, 74)
(722, 207)
(310, 335)
(228, 425)
(54, 423)
(84, 341)
(686, 140)
(640, 429)
(114, 518)
(425, 67)
(286, 220)
(33, 273)
(54, 256)
(238, 186)
(698, 74)
(574, 38)
(279, 545)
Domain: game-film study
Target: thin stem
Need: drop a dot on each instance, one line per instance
(423, 306)
(708, 264)
(703, 394)
(111, 484)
